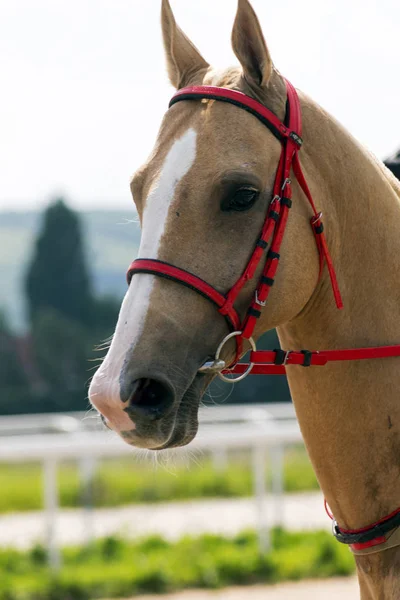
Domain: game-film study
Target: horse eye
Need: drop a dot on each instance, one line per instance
(241, 200)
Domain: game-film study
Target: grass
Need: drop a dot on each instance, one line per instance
(113, 567)
(119, 482)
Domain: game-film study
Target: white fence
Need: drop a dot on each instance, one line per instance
(260, 428)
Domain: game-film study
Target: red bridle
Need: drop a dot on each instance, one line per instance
(268, 362)
(274, 361)
(289, 134)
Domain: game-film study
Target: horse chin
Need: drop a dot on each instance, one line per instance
(186, 422)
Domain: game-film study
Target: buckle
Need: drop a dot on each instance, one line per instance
(281, 357)
(212, 366)
(317, 224)
(258, 301)
(296, 138)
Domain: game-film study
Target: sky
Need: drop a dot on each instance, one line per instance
(83, 85)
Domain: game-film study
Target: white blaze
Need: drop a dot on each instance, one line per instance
(105, 384)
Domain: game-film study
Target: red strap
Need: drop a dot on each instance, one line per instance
(364, 545)
(264, 360)
(240, 368)
(163, 269)
(295, 120)
(235, 97)
(319, 238)
(254, 261)
(269, 271)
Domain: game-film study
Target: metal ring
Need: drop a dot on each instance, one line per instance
(218, 352)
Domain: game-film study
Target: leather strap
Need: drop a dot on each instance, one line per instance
(164, 269)
(265, 360)
(380, 535)
(261, 112)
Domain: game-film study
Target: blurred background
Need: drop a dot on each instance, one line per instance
(84, 89)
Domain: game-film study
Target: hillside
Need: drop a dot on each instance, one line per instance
(112, 241)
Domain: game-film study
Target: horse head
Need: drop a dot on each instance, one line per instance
(202, 199)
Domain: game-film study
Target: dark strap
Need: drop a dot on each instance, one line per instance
(371, 538)
(367, 534)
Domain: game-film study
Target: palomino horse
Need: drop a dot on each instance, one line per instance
(202, 198)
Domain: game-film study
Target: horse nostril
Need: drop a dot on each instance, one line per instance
(149, 398)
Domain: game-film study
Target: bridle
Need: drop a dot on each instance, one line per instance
(263, 362)
(274, 362)
(289, 134)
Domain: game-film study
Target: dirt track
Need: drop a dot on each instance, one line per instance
(334, 589)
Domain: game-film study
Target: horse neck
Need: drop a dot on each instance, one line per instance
(349, 412)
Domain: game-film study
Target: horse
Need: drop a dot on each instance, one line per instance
(202, 198)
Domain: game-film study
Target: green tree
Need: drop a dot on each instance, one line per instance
(14, 387)
(58, 277)
(67, 321)
(61, 348)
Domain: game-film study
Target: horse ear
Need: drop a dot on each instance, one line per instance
(249, 46)
(183, 59)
